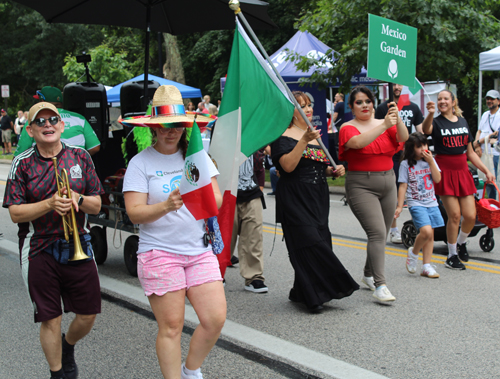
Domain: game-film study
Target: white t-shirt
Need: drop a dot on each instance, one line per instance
(489, 124)
(158, 175)
(420, 191)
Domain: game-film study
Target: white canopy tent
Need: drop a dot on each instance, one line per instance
(488, 61)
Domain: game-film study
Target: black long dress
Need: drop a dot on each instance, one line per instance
(302, 208)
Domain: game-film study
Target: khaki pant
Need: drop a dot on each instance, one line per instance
(6, 136)
(248, 225)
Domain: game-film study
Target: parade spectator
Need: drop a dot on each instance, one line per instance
(247, 228)
(191, 107)
(206, 102)
(412, 117)
(173, 260)
(302, 208)
(19, 123)
(77, 130)
(368, 145)
(453, 147)
(489, 126)
(201, 108)
(34, 203)
(334, 123)
(417, 174)
(6, 125)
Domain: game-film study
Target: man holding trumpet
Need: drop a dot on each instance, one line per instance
(55, 266)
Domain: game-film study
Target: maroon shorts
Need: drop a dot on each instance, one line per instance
(456, 179)
(48, 281)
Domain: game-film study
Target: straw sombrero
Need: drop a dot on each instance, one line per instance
(168, 112)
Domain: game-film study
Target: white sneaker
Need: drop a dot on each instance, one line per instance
(430, 272)
(197, 375)
(411, 262)
(370, 283)
(396, 237)
(383, 294)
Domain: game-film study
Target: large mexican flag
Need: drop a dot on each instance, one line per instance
(255, 111)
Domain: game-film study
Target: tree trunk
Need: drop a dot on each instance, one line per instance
(172, 69)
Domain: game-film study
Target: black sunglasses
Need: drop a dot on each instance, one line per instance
(41, 121)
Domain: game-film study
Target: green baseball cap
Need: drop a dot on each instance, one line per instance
(50, 94)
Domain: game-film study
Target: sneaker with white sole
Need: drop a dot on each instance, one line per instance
(429, 272)
(369, 282)
(395, 237)
(195, 375)
(383, 294)
(454, 263)
(257, 286)
(411, 261)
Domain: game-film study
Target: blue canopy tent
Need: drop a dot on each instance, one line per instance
(186, 91)
(306, 44)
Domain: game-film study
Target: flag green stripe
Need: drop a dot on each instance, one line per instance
(195, 142)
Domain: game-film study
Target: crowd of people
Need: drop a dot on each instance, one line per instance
(389, 163)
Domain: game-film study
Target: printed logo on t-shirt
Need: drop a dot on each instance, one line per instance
(458, 137)
(174, 183)
(76, 172)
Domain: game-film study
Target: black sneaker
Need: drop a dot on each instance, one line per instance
(462, 252)
(454, 263)
(57, 375)
(234, 260)
(257, 286)
(68, 360)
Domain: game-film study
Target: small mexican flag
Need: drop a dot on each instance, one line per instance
(196, 183)
(417, 86)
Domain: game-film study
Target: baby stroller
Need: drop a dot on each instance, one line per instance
(486, 242)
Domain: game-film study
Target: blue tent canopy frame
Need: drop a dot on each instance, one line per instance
(186, 91)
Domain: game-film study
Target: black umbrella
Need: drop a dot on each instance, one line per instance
(170, 16)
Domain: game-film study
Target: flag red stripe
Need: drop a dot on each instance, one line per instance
(226, 221)
(203, 196)
(403, 101)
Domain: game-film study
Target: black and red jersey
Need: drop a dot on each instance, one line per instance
(32, 179)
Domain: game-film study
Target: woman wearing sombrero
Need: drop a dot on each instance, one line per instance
(173, 261)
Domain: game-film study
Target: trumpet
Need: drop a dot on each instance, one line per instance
(69, 220)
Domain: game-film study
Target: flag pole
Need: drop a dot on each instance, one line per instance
(235, 6)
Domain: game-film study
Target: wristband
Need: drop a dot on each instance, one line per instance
(80, 200)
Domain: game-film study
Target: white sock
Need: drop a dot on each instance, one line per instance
(412, 253)
(394, 230)
(427, 265)
(452, 249)
(191, 372)
(462, 237)
(383, 285)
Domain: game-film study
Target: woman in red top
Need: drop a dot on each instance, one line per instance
(368, 145)
(453, 147)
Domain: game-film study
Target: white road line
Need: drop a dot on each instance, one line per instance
(273, 345)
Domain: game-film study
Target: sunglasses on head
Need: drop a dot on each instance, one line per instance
(41, 121)
(40, 94)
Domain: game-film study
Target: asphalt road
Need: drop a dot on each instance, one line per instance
(442, 328)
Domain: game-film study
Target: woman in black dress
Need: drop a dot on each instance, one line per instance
(302, 208)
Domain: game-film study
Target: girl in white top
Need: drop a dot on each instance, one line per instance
(417, 173)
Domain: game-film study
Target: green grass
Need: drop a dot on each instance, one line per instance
(10, 157)
(339, 182)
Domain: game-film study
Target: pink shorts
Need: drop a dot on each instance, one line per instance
(160, 272)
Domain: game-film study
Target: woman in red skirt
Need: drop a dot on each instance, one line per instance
(453, 147)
